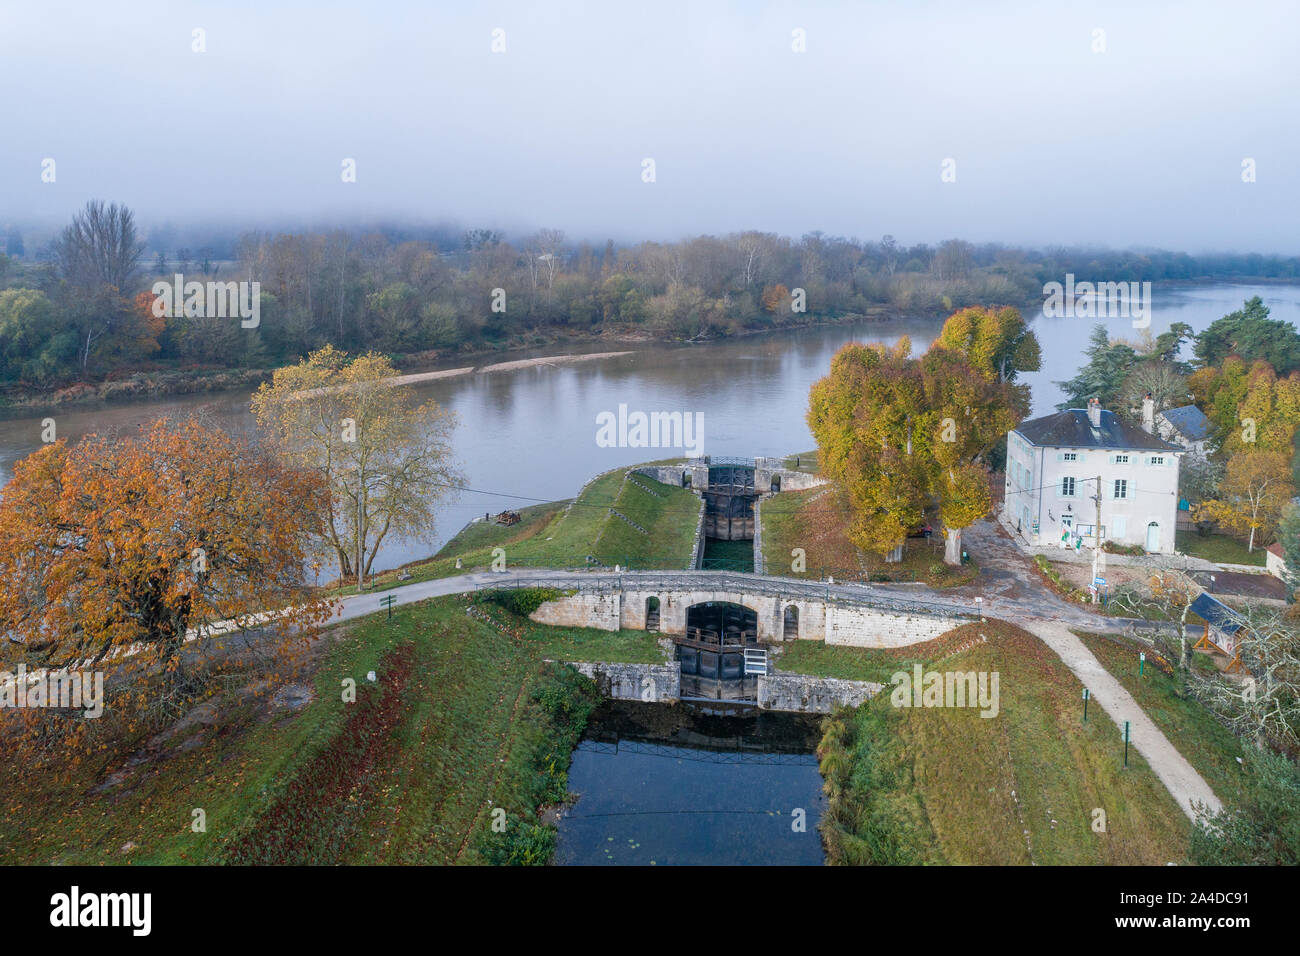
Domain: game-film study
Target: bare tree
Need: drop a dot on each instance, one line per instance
(1166, 597)
(96, 257)
(1261, 702)
(1160, 380)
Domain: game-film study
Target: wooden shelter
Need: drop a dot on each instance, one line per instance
(1222, 625)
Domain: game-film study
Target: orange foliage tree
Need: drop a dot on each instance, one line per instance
(141, 546)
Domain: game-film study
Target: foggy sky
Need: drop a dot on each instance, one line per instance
(1053, 143)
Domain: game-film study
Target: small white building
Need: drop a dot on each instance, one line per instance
(1053, 466)
(1186, 426)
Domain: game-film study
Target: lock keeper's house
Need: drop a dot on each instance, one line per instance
(1053, 464)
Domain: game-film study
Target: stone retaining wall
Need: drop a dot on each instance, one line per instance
(649, 683)
(803, 694)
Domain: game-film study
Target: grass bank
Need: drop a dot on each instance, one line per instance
(464, 716)
(945, 785)
(1205, 743)
(563, 534)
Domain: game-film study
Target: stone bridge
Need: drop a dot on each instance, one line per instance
(786, 609)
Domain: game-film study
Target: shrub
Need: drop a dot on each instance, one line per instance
(537, 773)
(1110, 547)
(521, 601)
(1264, 828)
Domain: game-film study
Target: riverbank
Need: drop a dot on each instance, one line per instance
(416, 367)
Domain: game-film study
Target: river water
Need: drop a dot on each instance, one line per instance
(529, 434)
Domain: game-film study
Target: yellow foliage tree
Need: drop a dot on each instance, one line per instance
(1256, 487)
(386, 461)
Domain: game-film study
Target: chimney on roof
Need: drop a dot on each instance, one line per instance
(1149, 415)
(1094, 412)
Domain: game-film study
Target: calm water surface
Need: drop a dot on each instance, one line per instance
(669, 785)
(530, 433)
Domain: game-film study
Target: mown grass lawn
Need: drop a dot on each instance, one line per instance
(945, 785)
(816, 521)
(404, 775)
(669, 515)
(1219, 548)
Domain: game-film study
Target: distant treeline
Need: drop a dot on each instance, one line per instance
(79, 309)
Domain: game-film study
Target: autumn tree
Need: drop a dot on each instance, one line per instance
(775, 297)
(997, 343)
(1256, 487)
(1250, 406)
(901, 434)
(385, 461)
(137, 545)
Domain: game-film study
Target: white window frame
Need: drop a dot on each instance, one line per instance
(1070, 456)
(1067, 481)
(1120, 485)
(1121, 459)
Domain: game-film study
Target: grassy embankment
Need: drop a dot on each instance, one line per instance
(817, 520)
(464, 715)
(562, 534)
(944, 785)
(1208, 745)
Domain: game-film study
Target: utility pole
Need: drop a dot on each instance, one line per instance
(360, 531)
(1096, 544)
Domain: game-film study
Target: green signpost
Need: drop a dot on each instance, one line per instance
(1126, 745)
(1085, 705)
(388, 602)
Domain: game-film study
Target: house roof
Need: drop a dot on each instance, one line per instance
(1071, 429)
(1276, 548)
(1189, 421)
(1219, 615)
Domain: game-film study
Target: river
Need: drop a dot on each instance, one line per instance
(529, 434)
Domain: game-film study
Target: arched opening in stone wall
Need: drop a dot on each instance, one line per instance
(790, 625)
(652, 613)
(712, 652)
(776, 484)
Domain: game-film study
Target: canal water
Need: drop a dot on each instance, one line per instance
(666, 785)
(529, 434)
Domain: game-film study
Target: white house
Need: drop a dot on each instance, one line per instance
(1053, 467)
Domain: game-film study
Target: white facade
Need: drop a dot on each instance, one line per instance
(1050, 492)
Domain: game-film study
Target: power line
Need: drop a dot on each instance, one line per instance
(846, 508)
